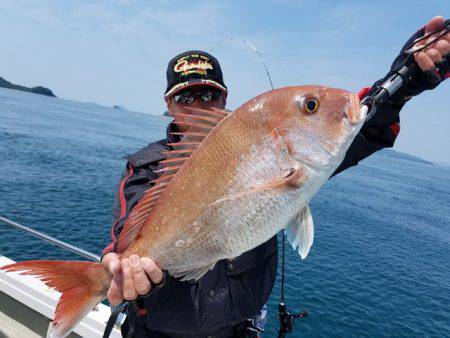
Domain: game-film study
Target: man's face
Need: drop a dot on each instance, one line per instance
(183, 105)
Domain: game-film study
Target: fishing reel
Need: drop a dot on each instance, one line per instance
(287, 319)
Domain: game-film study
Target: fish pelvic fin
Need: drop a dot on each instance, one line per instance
(82, 285)
(200, 123)
(301, 232)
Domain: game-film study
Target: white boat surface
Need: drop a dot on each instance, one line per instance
(27, 306)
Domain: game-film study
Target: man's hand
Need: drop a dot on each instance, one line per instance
(131, 277)
(432, 55)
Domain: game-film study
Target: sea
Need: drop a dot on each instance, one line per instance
(380, 263)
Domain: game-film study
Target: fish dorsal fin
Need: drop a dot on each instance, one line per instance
(301, 232)
(200, 123)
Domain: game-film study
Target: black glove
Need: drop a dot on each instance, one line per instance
(420, 80)
(417, 82)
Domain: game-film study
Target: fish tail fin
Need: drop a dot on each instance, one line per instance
(82, 285)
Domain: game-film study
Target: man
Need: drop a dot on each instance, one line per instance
(222, 302)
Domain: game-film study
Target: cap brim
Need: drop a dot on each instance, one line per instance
(194, 82)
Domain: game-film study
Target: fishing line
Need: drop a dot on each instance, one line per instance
(253, 48)
(285, 317)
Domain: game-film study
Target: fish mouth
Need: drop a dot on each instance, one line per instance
(354, 113)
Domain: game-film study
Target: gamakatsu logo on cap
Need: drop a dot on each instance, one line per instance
(192, 63)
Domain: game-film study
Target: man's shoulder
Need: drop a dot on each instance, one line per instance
(153, 152)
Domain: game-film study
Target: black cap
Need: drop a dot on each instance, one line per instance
(193, 68)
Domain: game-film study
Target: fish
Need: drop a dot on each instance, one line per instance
(233, 181)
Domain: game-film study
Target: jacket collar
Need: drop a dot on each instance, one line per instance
(170, 137)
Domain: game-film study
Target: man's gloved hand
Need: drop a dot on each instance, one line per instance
(433, 61)
(432, 68)
(437, 55)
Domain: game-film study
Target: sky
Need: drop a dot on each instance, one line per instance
(116, 52)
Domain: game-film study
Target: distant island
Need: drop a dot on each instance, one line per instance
(403, 156)
(36, 90)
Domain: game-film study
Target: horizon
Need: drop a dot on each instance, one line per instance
(124, 62)
(384, 150)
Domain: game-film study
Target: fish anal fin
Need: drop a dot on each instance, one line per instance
(301, 232)
(194, 274)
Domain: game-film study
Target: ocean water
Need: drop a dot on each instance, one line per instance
(380, 263)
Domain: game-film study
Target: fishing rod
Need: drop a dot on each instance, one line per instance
(51, 239)
(284, 315)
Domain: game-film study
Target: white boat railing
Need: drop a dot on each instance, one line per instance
(37, 296)
(50, 239)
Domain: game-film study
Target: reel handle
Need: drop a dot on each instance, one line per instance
(287, 319)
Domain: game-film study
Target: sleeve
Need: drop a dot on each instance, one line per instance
(133, 184)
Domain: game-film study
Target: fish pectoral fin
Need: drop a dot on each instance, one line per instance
(293, 179)
(301, 232)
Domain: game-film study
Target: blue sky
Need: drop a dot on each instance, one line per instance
(116, 52)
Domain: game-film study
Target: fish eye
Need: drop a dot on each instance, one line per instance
(310, 105)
